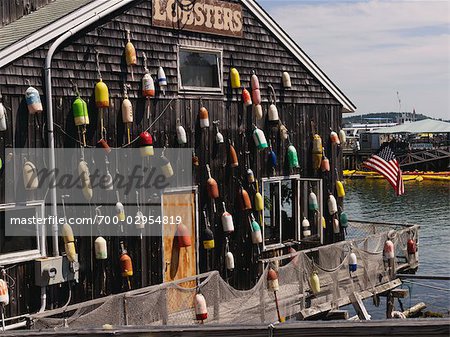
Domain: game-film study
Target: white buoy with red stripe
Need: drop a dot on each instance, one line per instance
(388, 250)
(148, 86)
(201, 310)
(162, 80)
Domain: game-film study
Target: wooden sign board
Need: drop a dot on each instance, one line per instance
(205, 16)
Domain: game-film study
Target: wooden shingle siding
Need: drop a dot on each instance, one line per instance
(307, 101)
(11, 10)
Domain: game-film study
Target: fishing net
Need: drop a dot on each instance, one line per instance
(172, 303)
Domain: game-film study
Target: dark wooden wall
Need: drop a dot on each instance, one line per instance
(11, 10)
(307, 101)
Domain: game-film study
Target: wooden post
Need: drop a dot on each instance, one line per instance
(262, 304)
(389, 305)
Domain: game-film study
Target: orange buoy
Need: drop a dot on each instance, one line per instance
(204, 118)
(126, 265)
(325, 165)
(389, 250)
(183, 235)
(211, 185)
(233, 157)
(411, 246)
(334, 138)
(246, 98)
(244, 200)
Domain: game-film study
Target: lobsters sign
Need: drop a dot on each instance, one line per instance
(206, 16)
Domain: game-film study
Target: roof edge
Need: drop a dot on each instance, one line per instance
(289, 43)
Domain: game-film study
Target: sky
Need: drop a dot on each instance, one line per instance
(373, 49)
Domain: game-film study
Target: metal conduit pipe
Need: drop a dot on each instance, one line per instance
(91, 18)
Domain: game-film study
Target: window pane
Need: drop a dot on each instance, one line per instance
(287, 210)
(20, 237)
(199, 69)
(272, 213)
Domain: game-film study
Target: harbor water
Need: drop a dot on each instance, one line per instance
(425, 203)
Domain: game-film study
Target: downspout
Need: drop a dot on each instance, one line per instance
(48, 95)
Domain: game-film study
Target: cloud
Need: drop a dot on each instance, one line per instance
(372, 49)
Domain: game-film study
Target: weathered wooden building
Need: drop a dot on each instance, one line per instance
(197, 43)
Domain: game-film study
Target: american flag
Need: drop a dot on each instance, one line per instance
(385, 163)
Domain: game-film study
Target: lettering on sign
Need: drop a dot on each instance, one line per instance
(206, 16)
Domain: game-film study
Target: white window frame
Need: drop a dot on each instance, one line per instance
(193, 89)
(27, 255)
(279, 179)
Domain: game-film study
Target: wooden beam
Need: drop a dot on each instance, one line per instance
(414, 309)
(359, 307)
(335, 315)
(400, 293)
(345, 300)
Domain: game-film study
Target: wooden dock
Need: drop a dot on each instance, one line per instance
(388, 328)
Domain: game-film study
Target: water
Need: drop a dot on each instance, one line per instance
(427, 204)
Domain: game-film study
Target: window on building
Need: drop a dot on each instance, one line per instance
(281, 210)
(285, 206)
(19, 236)
(200, 69)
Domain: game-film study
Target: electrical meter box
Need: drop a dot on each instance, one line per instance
(54, 270)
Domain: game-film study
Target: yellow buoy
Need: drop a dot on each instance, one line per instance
(235, 79)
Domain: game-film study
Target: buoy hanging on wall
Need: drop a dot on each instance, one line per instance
(256, 231)
(148, 86)
(126, 264)
(120, 210)
(273, 111)
(146, 144)
(201, 310)
(244, 200)
(166, 166)
(257, 111)
(208, 235)
(313, 204)
(229, 261)
(33, 100)
(336, 227)
(69, 243)
(80, 116)
(259, 201)
(235, 78)
(317, 150)
(203, 117)
(183, 236)
(340, 189)
(343, 219)
(246, 98)
(101, 95)
(162, 80)
(100, 248)
(292, 157)
(286, 80)
(272, 157)
(233, 156)
(211, 185)
(181, 133)
(30, 176)
(256, 93)
(306, 228)
(130, 54)
(83, 172)
(227, 220)
(4, 293)
(325, 165)
(342, 136)
(3, 125)
(259, 138)
(284, 133)
(332, 204)
(219, 137)
(127, 112)
(334, 138)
